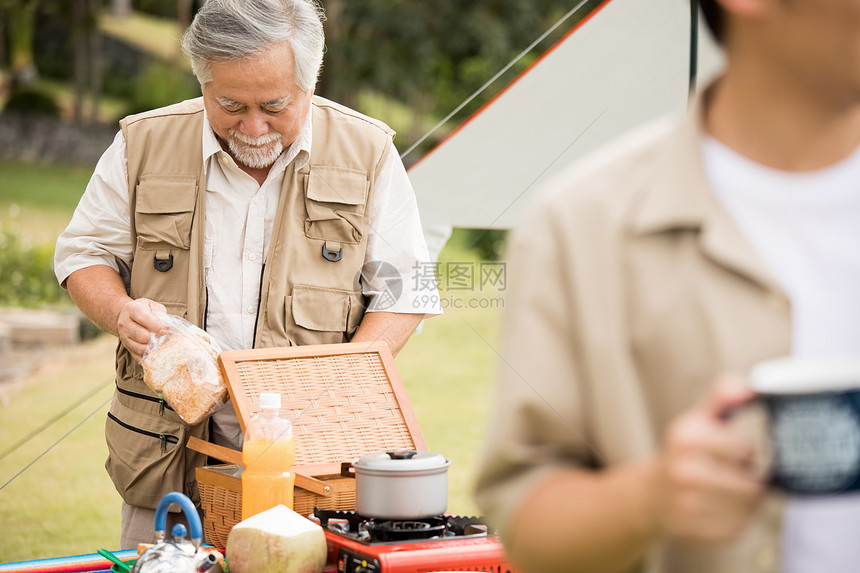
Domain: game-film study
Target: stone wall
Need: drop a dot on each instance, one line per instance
(29, 337)
(40, 139)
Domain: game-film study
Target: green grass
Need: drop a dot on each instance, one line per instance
(43, 186)
(36, 201)
(448, 370)
(64, 502)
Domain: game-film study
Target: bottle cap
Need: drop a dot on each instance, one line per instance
(270, 400)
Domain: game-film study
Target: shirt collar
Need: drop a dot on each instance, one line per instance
(299, 151)
(680, 197)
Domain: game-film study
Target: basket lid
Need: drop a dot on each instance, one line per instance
(344, 400)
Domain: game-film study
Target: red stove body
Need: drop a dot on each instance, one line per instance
(380, 547)
(448, 554)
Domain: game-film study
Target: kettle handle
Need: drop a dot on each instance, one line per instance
(190, 514)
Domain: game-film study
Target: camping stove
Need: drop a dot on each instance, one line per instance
(358, 544)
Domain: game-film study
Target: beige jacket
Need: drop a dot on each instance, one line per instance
(305, 297)
(630, 290)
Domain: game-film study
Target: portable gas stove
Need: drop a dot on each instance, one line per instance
(358, 544)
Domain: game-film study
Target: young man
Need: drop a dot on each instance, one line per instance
(687, 252)
(253, 212)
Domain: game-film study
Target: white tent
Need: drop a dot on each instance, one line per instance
(626, 64)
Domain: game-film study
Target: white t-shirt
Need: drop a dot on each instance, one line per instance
(806, 228)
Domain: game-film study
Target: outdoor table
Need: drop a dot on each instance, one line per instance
(90, 563)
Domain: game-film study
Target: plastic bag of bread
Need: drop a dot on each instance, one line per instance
(182, 366)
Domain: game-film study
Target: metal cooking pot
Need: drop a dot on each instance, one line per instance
(407, 484)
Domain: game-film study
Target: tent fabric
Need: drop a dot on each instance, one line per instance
(626, 64)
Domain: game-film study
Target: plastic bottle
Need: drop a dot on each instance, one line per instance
(269, 453)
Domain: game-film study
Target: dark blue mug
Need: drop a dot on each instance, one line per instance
(813, 421)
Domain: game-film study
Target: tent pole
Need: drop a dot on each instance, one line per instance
(694, 45)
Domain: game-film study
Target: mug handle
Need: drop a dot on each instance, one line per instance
(752, 418)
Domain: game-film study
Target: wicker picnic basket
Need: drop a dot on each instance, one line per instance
(343, 400)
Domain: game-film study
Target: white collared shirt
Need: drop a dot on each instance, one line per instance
(240, 216)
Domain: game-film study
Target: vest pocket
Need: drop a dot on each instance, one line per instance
(146, 454)
(163, 216)
(168, 288)
(335, 201)
(323, 315)
(164, 210)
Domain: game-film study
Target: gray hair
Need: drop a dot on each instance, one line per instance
(226, 30)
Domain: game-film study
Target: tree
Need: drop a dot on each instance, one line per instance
(2, 38)
(120, 8)
(21, 18)
(184, 8)
(87, 67)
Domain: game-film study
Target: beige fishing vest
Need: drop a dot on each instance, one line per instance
(310, 290)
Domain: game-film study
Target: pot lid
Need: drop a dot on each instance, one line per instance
(403, 460)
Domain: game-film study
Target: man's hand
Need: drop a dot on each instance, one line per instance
(100, 294)
(710, 489)
(136, 322)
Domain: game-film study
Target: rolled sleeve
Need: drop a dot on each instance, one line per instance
(99, 232)
(396, 248)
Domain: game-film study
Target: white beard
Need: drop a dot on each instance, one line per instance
(255, 152)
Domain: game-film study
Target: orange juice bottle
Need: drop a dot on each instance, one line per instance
(269, 453)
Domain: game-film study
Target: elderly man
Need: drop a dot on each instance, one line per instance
(260, 212)
(697, 247)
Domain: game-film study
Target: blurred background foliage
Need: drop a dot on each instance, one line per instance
(27, 274)
(408, 63)
(426, 56)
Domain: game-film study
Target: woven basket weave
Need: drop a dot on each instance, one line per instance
(344, 400)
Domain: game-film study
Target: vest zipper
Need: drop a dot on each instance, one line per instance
(165, 438)
(259, 301)
(206, 307)
(162, 403)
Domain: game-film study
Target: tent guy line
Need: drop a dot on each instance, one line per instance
(588, 444)
(548, 166)
(487, 228)
(52, 446)
(55, 419)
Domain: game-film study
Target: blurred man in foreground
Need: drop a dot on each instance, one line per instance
(690, 250)
(260, 212)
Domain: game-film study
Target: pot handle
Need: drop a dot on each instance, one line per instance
(402, 454)
(190, 514)
(347, 470)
